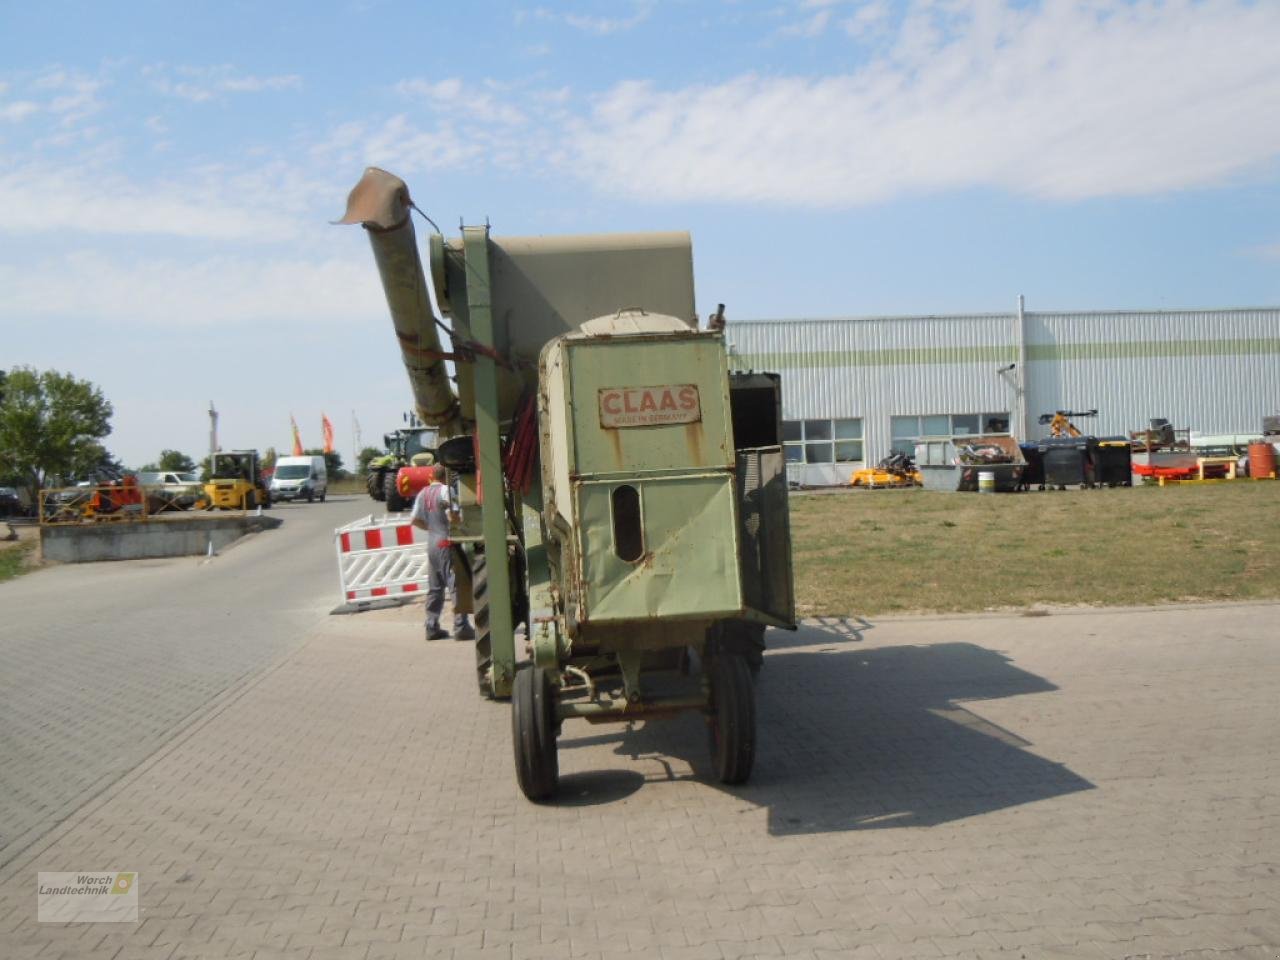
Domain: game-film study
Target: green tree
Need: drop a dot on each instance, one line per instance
(269, 459)
(332, 462)
(367, 454)
(50, 427)
(176, 461)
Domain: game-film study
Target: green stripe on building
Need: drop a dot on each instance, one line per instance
(918, 356)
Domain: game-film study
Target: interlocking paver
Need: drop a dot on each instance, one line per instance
(1084, 785)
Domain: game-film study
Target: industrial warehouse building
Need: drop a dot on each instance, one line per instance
(855, 389)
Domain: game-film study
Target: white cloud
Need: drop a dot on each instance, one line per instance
(268, 203)
(202, 84)
(602, 26)
(1058, 100)
(452, 96)
(599, 26)
(400, 145)
(65, 96)
(17, 110)
(192, 293)
(869, 19)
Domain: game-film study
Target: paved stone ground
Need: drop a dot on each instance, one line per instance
(1081, 785)
(101, 663)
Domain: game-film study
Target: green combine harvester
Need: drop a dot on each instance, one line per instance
(624, 493)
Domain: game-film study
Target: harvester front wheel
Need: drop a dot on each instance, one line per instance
(533, 733)
(733, 718)
(395, 502)
(373, 483)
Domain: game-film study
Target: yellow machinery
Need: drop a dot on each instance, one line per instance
(236, 482)
(1059, 422)
(896, 470)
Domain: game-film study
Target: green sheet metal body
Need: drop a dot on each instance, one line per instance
(685, 573)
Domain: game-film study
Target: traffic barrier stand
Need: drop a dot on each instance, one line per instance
(381, 558)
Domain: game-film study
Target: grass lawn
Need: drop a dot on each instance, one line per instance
(17, 556)
(868, 552)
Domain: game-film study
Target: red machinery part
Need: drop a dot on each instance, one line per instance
(410, 480)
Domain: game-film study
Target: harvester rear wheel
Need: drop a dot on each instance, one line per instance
(395, 502)
(533, 733)
(733, 718)
(484, 644)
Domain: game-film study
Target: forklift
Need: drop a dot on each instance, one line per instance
(236, 482)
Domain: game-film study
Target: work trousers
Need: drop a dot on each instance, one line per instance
(440, 580)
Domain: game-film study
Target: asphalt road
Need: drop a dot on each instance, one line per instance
(102, 664)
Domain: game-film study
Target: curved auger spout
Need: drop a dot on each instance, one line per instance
(380, 203)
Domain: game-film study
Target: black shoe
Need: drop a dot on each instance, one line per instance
(437, 634)
(464, 633)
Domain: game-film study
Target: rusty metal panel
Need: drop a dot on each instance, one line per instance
(688, 567)
(651, 502)
(765, 553)
(609, 370)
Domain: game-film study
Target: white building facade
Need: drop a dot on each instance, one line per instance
(855, 389)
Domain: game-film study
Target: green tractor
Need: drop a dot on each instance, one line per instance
(402, 447)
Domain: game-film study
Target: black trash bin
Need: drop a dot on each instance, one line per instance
(1113, 462)
(1033, 475)
(1068, 461)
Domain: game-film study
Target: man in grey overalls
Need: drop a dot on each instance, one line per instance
(434, 512)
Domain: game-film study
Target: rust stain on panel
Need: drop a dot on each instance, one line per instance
(693, 437)
(615, 443)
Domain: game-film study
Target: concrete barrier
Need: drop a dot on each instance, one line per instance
(139, 540)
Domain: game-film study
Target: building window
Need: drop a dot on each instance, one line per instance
(817, 453)
(823, 441)
(848, 440)
(905, 431)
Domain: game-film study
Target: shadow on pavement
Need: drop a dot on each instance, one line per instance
(593, 787)
(852, 738)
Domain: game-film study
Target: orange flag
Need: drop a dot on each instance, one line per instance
(297, 439)
(327, 428)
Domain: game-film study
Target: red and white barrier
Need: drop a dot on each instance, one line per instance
(380, 557)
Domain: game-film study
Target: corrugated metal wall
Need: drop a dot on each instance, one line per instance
(1214, 371)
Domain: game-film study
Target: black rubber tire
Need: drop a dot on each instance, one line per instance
(533, 733)
(373, 484)
(395, 502)
(311, 496)
(484, 632)
(733, 719)
(323, 495)
(745, 639)
(251, 500)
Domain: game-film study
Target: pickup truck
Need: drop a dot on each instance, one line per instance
(169, 490)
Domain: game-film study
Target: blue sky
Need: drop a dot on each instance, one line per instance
(167, 172)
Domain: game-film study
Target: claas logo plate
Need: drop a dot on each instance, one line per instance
(649, 406)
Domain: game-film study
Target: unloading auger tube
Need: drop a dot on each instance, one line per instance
(381, 204)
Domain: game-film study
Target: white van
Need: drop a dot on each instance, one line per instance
(299, 478)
